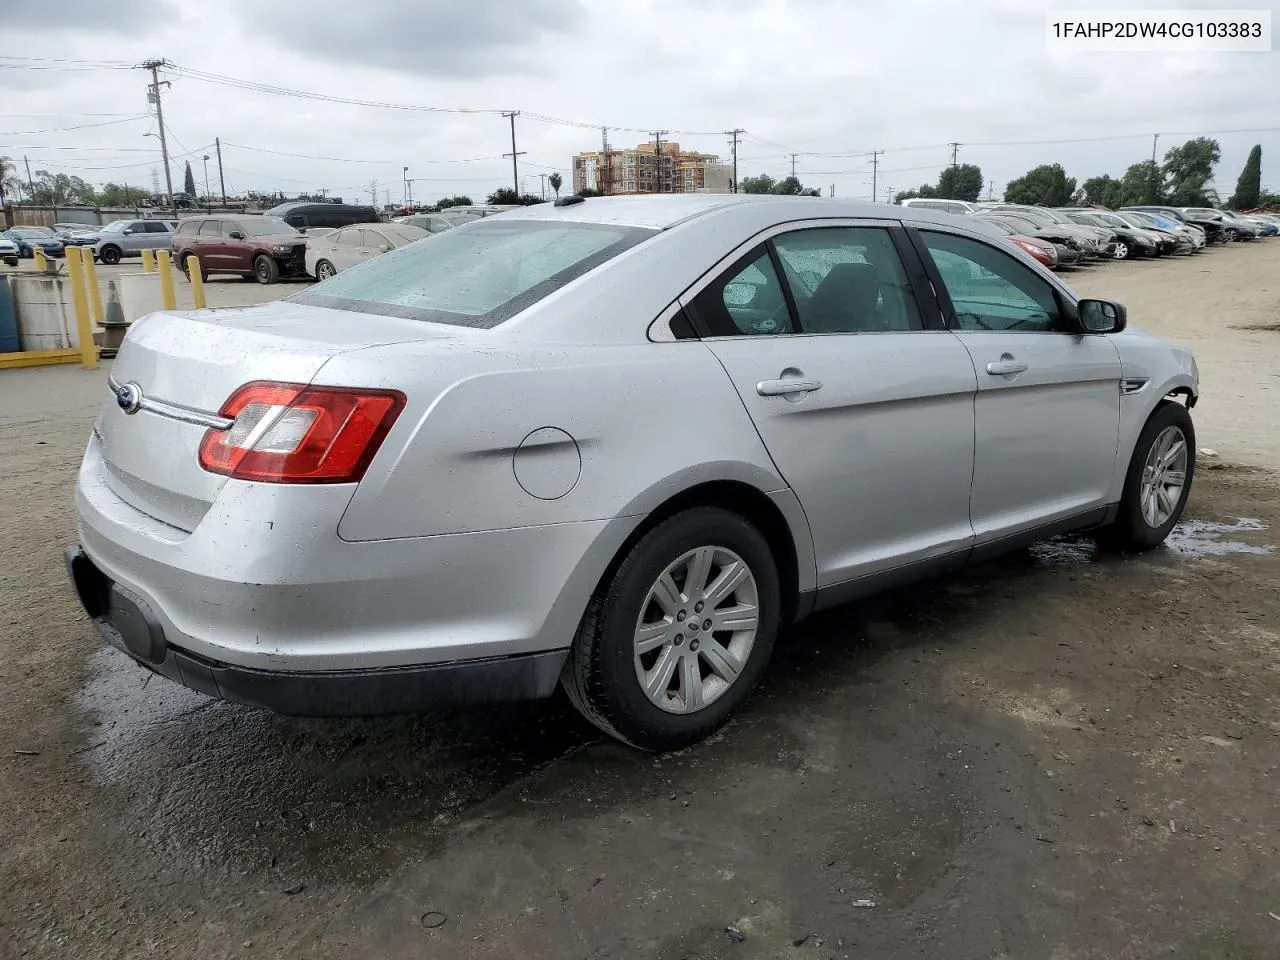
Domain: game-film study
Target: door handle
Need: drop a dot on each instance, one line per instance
(1005, 366)
(784, 388)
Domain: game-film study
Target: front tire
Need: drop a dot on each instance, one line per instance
(1158, 482)
(325, 270)
(676, 638)
(110, 255)
(1123, 251)
(265, 269)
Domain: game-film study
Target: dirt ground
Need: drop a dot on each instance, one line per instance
(1063, 755)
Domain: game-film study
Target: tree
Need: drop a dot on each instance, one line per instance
(505, 196)
(58, 189)
(1141, 184)
(962, 182)
(788, 186)
(1045, 186)
(459, 200)
(925, 191)
(556, 182)
(1249, 186)
(7, 170)
(1187, 171)
(761, 184)
(1104, 190)
(119, 195)
(529, 199)
(189, 182)
(589, 192)
(1268, 201)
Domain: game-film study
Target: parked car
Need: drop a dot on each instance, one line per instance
(1233, 227)
(128, 238)
(959, 208)
(1130, 242)
(76, 234)
(1042, 251)
(305, 215)
(453, 474)
(1269, 229)
(1211, 226)
(251, 245)
(1104, 238)
(437, 222)
(349, 246)
(29, 239)
(9, 251)
(1188, 236)
(1073, 238)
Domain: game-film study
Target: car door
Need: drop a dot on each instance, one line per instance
(134, 238)
(348, 248)
(1047, 413)
(863, 400)
(158, 235)
(208, 245)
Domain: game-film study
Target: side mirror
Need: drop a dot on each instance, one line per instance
(384, 247)
(236, 235)
(1102, 316)
(129, 230)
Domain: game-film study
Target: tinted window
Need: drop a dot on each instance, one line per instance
(990, 289)
(156, 226)
(211, 228)
(847, 280)
(476, 277)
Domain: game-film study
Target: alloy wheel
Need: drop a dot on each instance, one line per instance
(1121, 251)
(696, 629)
(1163, 476)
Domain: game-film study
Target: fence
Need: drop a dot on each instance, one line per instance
(35, 215)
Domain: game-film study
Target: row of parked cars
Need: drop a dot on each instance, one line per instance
(1067, 237)
(290, 240)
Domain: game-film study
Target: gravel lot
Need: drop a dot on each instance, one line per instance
(1062, 755)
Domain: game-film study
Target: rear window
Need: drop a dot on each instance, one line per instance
(476, 277)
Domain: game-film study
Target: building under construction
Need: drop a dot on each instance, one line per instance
(642, 169)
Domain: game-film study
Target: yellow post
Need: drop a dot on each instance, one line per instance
(75, 270)
(168, 297)
(197, 281)
(91, 279)
(148, 262)
(42, 264)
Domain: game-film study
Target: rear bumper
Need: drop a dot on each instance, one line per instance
(127, 622)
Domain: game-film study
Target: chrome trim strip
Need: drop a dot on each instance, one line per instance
(174, 411)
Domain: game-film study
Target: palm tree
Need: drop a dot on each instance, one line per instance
(555, 180)
(7, 167)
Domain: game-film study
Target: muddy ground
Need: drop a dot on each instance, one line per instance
(1061, 755)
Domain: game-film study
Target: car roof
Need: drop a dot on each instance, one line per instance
(658, 212)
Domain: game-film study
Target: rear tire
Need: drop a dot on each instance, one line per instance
(265, 269)
(325, 270)
(1158, 482)
(110, 255)
(650, 619)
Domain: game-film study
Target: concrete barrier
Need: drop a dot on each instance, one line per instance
(139, 295)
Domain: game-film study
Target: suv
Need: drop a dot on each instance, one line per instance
(253, 246)
(302, 214)
(128, 238)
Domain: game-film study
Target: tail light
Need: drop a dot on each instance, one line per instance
(294, 433)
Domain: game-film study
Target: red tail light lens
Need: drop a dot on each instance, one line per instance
(294, 433)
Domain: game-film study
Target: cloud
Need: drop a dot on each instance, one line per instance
(433, 38)
(81, 16)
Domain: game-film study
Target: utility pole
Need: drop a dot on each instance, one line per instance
(31, 186)
(793, 164)
(606, 180)
(875, 170)
(221, 182)
(205, 158)
(1155, 171)
(544, 185)
(955, 153)
(373, 192)
(408, 190)
(515, 171)
(657, 158)
(154, 96)
(832, 190)
(888, 190)
(736, 132)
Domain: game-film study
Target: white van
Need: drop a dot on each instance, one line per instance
(959, 207)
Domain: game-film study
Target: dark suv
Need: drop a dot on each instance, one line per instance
(303, 214)
(253, 246)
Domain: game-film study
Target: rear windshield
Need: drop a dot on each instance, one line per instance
(476, 277)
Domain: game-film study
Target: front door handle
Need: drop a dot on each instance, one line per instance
(1006, 366)
(785, 388)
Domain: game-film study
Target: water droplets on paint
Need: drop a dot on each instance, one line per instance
(1201, 538)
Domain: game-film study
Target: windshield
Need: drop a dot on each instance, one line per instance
(115, 226)
(34, 233)
(476, 277)
(265, 227)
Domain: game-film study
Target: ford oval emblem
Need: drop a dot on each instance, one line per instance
(129, 397)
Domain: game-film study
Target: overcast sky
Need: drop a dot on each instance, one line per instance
(814, 77)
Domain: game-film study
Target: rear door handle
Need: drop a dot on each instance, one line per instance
(784, 388)
(1005, 366)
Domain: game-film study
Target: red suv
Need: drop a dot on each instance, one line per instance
(253, 246)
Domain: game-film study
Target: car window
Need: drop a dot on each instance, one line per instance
(187, 227)
(847, 280)
(351, 238)
(155, 226)
(989, 289)
(211, 228)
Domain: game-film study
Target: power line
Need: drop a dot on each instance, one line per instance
(306, 156)
(82, 126)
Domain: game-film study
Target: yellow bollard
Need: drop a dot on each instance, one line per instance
(91, 280)
(75, 270)
(168, 298)
(41, 262)
(148, 262)
(197, 281)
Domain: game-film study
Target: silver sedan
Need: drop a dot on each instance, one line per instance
(610, 444)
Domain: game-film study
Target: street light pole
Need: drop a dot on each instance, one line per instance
(408, 189)
(205, 158)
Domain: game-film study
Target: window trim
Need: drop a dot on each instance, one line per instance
(917, 278)
(1067, 310)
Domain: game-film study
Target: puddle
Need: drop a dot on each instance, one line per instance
(1201, 538)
